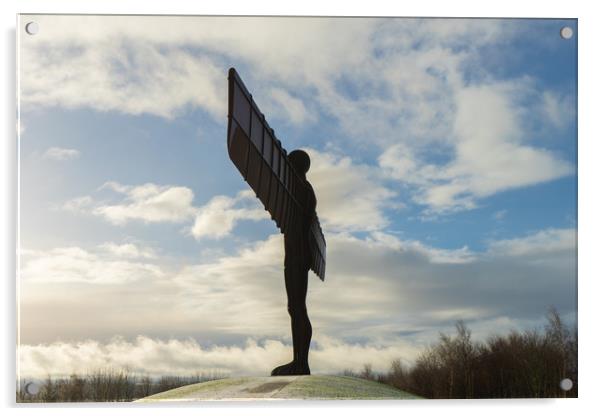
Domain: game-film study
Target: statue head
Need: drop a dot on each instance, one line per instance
(300, 161)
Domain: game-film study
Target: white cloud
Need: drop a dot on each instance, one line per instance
(558, 109)
(350, 196)
(400, 162)
(77, 265)
(253, 277)
(550, 241)
(115, 186)
(386, 286)
(217, 218)
(394, 86)
(152, 203)
(158, 357)
(79, 204)
(293, 108)
(433, 254)
(125, 66)
(138, 63)
(407, 285)
(60, 154)
(382, 284)
(128, 250)
(125, 74)
(148, 203)
(491, 153)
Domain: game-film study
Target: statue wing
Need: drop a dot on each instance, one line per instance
(263, 163)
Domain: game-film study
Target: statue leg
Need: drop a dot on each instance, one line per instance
(300, 322)
(296, 290)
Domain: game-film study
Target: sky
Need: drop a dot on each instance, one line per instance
(443, 159)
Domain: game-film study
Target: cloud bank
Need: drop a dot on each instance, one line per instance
(379, 283)
(395, 87)
(156, 358)
(352, 197)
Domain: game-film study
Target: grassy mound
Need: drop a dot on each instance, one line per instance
(285, 388)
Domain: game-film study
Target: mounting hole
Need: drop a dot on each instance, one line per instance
(32, 388)
(32, 28)
(566, 32)
(566, 384)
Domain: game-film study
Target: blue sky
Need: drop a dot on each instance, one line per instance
(443, 158)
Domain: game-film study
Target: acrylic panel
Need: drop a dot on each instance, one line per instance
(170, 167)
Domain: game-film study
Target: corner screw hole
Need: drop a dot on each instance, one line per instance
(566, 33)
(566, 384)
(32, 28)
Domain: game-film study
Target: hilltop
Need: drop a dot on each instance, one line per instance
(314, 387)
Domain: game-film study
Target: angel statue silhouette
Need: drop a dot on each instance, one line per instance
(279, 181)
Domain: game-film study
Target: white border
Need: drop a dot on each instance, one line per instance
(589, 185)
